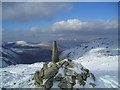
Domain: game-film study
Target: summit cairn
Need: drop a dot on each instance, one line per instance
(64, 73)
(55, 57)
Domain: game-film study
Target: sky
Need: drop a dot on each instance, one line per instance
(38, 21)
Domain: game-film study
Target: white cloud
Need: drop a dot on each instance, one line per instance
(19, 11)
(71, 24)
(76, 24)
(70, 29)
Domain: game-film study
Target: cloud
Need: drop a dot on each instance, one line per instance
(77, 25)
(68, 30)
(27, 11)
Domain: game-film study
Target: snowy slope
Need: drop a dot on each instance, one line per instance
(17, 76)
(107, 47)
(101, 57)
(8, 57)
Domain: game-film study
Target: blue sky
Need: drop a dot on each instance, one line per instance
(16, 18)
(83, 11)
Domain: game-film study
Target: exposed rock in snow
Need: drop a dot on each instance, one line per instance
(99, 56)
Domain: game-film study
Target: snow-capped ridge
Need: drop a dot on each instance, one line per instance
(21, 42)
(109, 48)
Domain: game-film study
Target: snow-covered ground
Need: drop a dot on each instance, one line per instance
(17, 76)
(99, 56)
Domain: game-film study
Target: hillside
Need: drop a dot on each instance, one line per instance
(99, 56)
(21, 52)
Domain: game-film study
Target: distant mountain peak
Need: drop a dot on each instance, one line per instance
(20, 42)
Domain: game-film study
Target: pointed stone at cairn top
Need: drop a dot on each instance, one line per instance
(55, 56)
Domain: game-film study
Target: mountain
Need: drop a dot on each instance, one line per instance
(8, 57)
(101, 46)
(100, 56)
(23, 44)
(26, 53)
(69, 43)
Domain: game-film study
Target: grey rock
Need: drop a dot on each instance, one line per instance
(86, 71)
(84, 76)
(55, 57)
(93, 77)
(69, 85)
(45, 65)
(48, 84)
(63, 83)
(37, 78)
(69, 60)
(50, 72)
(82, 83)
(59, 77)
(79, 77)
(92, 84)
(69, 64)
(41, 73)
(69, 72)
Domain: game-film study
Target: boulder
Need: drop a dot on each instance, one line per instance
(45, 66)
(63, 83)
(93, 77)
(79, 77)
(86, 71)
(69, 86)
(69, 64)
(50, 72)
(37, 77)
(82, 83)
(69, 72)
(59, 77)
(41, 73)
(92, 84)
(84, 76)
(70, 79)
(48, 84)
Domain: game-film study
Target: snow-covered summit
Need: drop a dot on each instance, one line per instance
(106, 46)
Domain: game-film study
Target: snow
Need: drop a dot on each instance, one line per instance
(18, 76)
(10, 55)
(99, 56)
(21, 43)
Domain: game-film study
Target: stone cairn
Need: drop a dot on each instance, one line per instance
(49, 74)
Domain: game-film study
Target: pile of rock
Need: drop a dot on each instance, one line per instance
(51, 73)
(62, 71)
